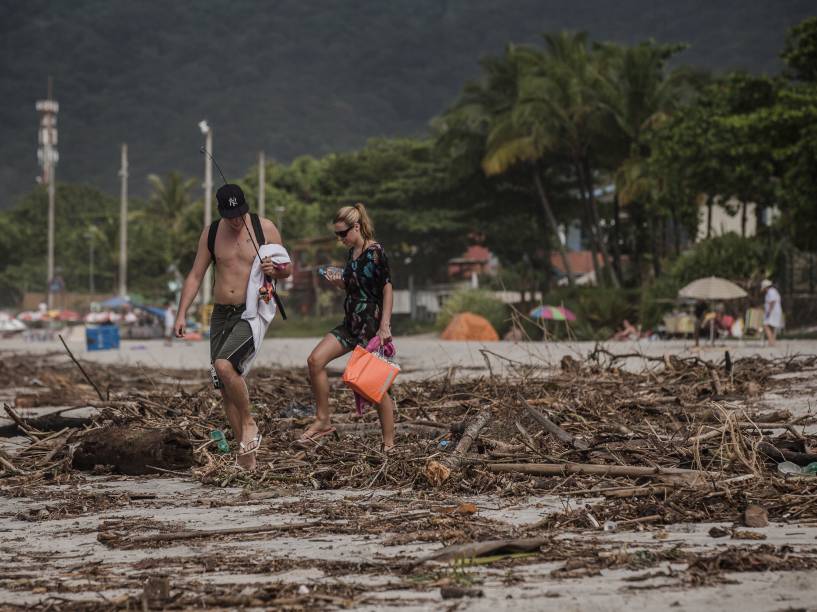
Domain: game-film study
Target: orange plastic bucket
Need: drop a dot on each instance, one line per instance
(369, 374)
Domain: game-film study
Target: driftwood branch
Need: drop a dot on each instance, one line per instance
(555, 430)
(47, 422)
(81, 369)
(781, 454)
(127, 541)
(561, 469)
(470, 434)
(365, 429)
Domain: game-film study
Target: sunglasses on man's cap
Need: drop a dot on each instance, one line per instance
(343, 233)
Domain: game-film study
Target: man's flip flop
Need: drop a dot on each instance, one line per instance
(245, 448)
(306, 439)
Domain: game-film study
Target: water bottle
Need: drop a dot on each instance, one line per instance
(217, 436)
(331, 273)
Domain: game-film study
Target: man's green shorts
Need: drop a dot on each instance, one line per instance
(230, 336)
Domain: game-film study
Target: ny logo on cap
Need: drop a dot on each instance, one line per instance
(233, 202)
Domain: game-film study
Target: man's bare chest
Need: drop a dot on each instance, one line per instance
(234, 249)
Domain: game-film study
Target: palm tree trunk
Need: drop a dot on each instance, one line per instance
(637, 243)
(543, 199)
(656, 257)
(676, 230)
(709, 205)
(586, 177)
(616, 235)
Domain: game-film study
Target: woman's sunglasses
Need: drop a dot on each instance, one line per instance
(342, 233)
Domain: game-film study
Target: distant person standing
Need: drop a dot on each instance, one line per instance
(170, 319)
(772, 310)
(700, 313)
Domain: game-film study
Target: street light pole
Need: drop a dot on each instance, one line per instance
(123, 226)
(208, 192)
(48, 157)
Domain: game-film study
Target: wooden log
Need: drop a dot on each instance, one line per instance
(639, 491)
(403, 429)
(555, 430)
(47, 422)
(717, 388)
(560, 469)
(126, 541)
(782, 454)
(134, 451)
(470, 434)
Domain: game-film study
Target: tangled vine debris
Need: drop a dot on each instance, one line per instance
(682, 441)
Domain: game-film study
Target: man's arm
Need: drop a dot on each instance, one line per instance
(192, 282)
(273, 236)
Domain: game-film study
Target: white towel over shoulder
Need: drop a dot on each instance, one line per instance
(259, 313)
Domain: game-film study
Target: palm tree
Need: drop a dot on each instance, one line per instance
(480, 127)
(636, 94)
(553, 117)
(556, 117)
(170, 195)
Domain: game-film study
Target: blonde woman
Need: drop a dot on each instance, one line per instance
(367, 313)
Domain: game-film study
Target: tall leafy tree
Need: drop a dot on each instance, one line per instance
(482, 127)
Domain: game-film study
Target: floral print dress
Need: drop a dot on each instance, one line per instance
(364, 278)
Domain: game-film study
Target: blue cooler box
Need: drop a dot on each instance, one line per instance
(102, 337)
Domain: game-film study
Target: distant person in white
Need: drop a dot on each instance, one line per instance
(772, 310)
(170, 319)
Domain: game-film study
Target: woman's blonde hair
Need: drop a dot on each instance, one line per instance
(356, 214)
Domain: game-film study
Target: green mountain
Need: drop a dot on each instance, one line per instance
(296, 77)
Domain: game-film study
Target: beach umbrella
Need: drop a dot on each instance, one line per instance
(552, 313)
(712, 288)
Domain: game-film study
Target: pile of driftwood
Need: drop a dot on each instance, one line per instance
(682, 440)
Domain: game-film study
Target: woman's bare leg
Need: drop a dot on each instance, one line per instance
(385, 410)
(328, 349)
(770, 333)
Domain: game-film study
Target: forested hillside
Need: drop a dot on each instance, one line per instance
(295, 76)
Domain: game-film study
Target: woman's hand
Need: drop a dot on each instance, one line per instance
(384, 333)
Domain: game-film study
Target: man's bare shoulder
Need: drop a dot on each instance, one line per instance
(271, 233)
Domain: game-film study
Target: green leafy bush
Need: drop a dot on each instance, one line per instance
(479, 302)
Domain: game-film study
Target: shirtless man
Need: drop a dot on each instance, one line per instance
(231, 341)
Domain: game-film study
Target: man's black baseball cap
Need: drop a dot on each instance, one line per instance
(231, 202)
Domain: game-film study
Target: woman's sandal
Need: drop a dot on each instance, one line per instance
(307, 439)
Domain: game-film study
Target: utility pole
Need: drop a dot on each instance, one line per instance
(262, 186)
(123, 224)
(89, 236)
(48, 157)
(208, 193)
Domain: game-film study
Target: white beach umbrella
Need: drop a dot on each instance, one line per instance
(712, 288)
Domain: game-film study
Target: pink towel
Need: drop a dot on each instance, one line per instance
(387, 350)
